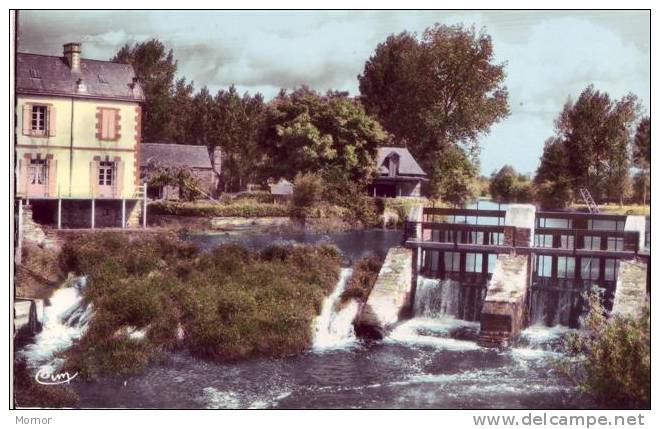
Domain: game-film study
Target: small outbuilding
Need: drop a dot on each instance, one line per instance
(196, 159)
(282, 189)
(398, 175)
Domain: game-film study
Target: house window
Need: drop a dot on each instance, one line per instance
(106, 171)
(544, 266)
(39, 119)
(108, 127)
(37, 172)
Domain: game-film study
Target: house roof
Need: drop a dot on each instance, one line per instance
(407, 164)
(174, 155)
(283, 187)
(50, 75)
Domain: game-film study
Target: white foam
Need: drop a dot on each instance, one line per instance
(58, 335)
(408, 333)
(333, 328)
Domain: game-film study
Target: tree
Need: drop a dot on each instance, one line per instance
(553, 187)
(642, 154)
(240, 121)
(310, 133)
(155, 68)
(597, 133)
(456, 176)
(435, 92)
(507, 185)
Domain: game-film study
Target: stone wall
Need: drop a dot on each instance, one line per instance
(390, 296)
(630, 296)
(502, 314)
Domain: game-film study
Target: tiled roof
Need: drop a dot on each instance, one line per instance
(174, 155)
(50, 75)
(407, 164)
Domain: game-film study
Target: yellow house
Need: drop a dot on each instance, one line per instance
(77, 138)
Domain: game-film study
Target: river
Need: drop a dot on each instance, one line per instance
(419, 365)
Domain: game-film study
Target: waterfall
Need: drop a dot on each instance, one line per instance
(435, 298)
(65, 320)
(552, 307)
(333, 328)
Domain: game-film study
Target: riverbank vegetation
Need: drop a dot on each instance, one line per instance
(363, 279)
(151, 295)
(610, 359)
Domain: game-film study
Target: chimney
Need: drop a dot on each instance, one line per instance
(72, 55)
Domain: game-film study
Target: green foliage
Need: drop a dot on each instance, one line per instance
(181, 177)
(435, 91)
(155, 68)
(310, 133)
(595, 133)
(307, 189)
(508, 186)
(553, 184)
(363, 279)
(230, 303)
(339, 189)
(454, 177)
(241, 207)
(642, 160)
(611, 358)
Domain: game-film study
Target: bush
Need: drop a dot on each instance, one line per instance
(363, 279)
(307, 189)
(611, 359)
(241, 207)
(231, 303)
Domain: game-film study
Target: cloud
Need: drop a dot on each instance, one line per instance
(549, 55)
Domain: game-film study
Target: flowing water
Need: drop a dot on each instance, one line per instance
(426, 362)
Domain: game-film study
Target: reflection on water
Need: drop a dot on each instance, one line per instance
(353, 244)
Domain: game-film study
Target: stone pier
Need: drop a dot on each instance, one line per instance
(502, 314)
(630, 296)
(390, 296)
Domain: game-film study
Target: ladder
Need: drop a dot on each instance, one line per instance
(589, 201)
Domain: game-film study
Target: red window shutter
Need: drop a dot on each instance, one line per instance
(52, 178)
(52, 120)
(27, 119)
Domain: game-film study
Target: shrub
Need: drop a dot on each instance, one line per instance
(230, 302)
(363, 279)
(232, 208)
(307, 189)
(611, 359)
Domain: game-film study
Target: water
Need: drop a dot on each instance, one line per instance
(429, 361)
(333, 328)
(65, 319)
(353, 244)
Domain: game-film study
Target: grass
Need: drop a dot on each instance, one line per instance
(230, 304)
(626, 209)
(363, 279)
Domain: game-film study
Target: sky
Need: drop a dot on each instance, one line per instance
(549, 55)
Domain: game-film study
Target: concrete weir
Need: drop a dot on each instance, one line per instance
(502, 314)
(390, 296)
